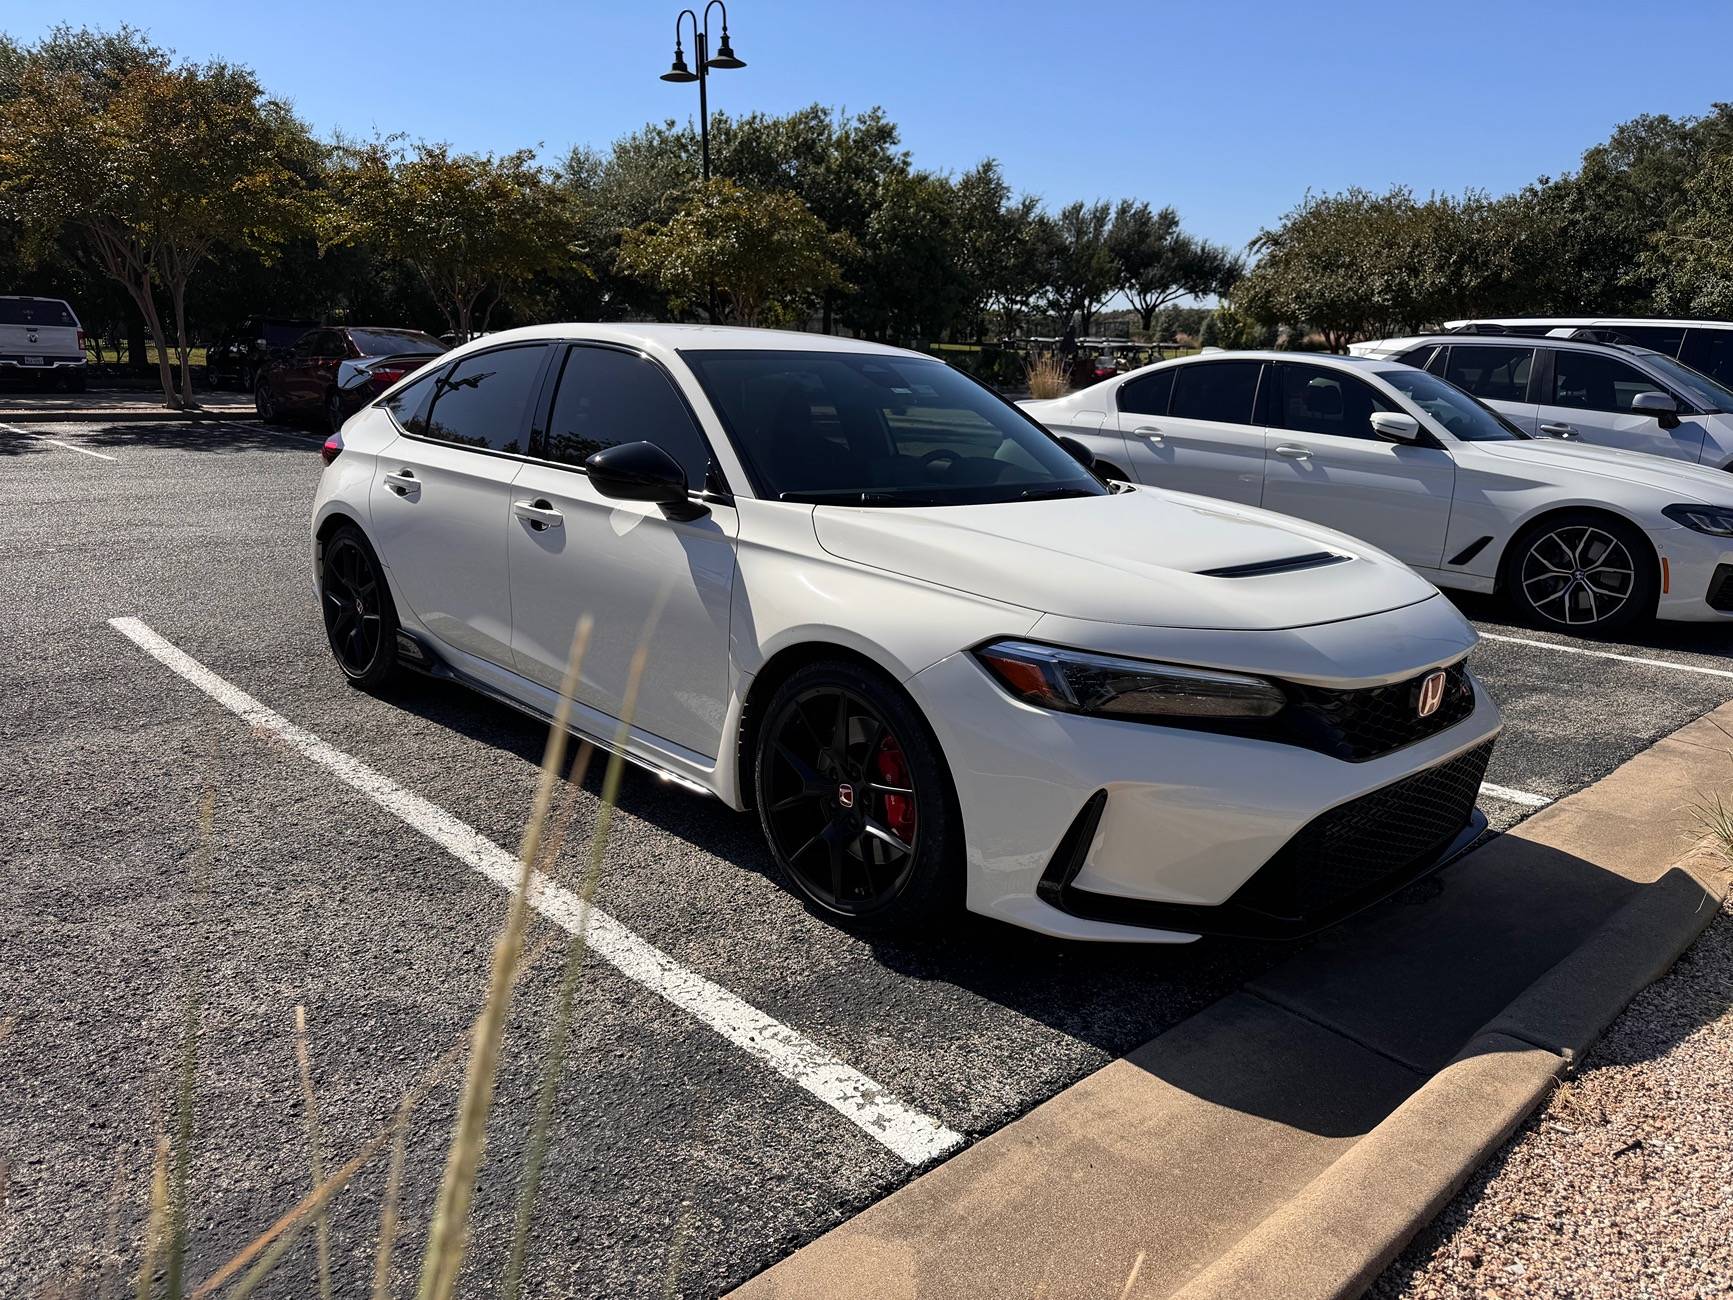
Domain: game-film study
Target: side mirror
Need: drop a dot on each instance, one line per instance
(642, 471)
(1078, 452)
(1660, 405)
(1396, 426)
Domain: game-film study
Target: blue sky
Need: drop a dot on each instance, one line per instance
(1228, 111)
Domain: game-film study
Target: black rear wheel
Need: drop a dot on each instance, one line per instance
(855, 800)
(360, 620)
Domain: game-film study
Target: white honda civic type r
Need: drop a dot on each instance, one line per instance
(884, 608)
(1582, 539)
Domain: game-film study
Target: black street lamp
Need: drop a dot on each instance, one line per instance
(724, 59)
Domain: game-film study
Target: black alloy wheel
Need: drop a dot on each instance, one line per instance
(1583, 572)
(333, 412)
(855, 801)
(360, 620)
(265, 401)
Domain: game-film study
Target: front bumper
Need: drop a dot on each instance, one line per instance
(1186, 821)
(1696, 575)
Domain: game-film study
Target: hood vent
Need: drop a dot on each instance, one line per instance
(1287, 564)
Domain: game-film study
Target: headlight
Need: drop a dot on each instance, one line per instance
(1073, 681)
(1716, 520)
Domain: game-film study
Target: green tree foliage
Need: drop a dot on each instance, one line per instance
(762, 254)
(1159, 263)
(473, 227)
(1692, 259)
(149, 164)
(1082, 272)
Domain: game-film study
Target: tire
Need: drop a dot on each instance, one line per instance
(355, 603)
(1581, 571)
(865, 831)
(265, 402)
(333, 412)
(75, 382)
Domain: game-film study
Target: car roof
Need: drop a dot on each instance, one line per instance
(1523, 341)
(30, 297)
(1584, 322)
(1270, 354)
(690, 338)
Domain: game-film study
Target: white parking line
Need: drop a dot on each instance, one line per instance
(42, 437)
(916, 1137)
(1522, 797)
(1607, 654)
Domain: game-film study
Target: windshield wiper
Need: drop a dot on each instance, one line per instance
(857, 497)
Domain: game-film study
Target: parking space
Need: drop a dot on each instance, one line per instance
(743, 1076)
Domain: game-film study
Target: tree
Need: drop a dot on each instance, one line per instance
(911, 282)
(474, 227)
(149, 164)
(763, 254)
(1083, 273)
(1159, 263)
(1692, 259)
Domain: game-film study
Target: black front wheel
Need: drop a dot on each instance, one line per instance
(265, 401)
(1582, 571)
(360, 620)
(333, 412)
(855, 800)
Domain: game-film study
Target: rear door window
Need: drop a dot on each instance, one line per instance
(484, 400)
(607, 397)
(1147, 394)
(1663, 338)
(1492, 373)
(1222, 391)
(1710, 351)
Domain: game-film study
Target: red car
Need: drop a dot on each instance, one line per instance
(332, 372)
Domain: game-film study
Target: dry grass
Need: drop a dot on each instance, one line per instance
(1049, 376)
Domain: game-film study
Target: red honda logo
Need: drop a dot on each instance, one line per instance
(845, 795)
(1432, 693)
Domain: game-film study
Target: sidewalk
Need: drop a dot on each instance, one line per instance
(116, 406)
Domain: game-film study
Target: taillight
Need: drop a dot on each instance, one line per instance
(385, 378)
(81, 340)
(332, 449)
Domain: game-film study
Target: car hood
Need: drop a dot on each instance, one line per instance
(1141, 557)
(1675, 478)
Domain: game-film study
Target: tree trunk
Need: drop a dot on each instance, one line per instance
(136, 360)
(183, 353)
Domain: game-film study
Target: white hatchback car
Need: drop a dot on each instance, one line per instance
(887, 610)
(1579, 538)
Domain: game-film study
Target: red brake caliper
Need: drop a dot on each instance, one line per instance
(893, 769)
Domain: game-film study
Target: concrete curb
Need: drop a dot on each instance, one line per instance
(141, 415)
(1336, 1236)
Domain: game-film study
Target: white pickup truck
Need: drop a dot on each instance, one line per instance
(40, 339)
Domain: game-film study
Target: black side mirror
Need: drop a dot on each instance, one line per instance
(1078, 452)
(642, 471)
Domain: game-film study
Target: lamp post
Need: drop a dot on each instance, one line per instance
(680, 72)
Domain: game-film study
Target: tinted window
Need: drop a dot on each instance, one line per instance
(483, 400)
(385, 343)
(307, 345)
(1589, 382)
(1710, 351)
(408, 405)
(607, 397)
(1313, 399)
(1464, 416)
(1216, 390)
(35, 311)
(330, 343)
(1493, 374)
(1663, 338)
(1147, 394)
(880, 429)
(1417, 357)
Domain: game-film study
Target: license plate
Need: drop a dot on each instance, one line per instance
(35, 361)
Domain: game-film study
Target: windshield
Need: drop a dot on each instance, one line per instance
(1703, 391)
(385, 343)
(1462, 414)
(850, 428)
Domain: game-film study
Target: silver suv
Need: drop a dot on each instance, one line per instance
(1606, 394)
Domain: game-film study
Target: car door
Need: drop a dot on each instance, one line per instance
(1498, 374)
(646, 580)
(441, 497)
(289, 375)
(1198, 432)
(1589, 396)
(1327, 466)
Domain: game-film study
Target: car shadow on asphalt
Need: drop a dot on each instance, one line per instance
(1714, 639)
(195, 435)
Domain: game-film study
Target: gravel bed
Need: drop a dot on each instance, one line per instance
(1622, 1186)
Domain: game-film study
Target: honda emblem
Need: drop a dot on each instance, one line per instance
(1432, 693)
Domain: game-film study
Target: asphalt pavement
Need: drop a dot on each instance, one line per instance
(682, 1161)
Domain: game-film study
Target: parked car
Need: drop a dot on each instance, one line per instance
(1577, 537)
(331, 372)
(884, 608)
(1704, 345)
(1609, 394)
(235, 360)
(41, 342)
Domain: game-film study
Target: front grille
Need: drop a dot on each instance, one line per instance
(1369, 845)
(1357, 725)
(1721, 588)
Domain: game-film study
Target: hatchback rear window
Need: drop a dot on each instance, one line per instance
(386, 343)
(36, 311)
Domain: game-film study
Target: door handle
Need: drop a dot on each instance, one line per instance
(539, 513)
(1150, 433)
(1558, 430)
(1293, 452)
(403, 482)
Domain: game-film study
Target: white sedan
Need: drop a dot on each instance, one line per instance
(885, 609)
(1578, 538)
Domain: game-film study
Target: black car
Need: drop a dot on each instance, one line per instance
(235, 361)
(333, 372)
